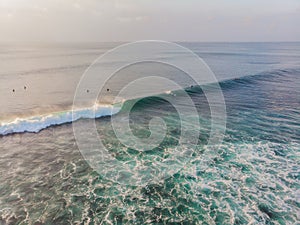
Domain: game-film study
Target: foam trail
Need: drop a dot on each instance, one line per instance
(37, 123)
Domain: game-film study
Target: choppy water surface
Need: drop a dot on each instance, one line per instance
(251, 178)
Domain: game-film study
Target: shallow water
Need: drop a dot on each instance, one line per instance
(252, 177)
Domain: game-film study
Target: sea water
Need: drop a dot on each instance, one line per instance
(252, 177)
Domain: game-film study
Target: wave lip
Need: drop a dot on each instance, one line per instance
(35, 124)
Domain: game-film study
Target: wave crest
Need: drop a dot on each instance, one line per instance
(37, 123)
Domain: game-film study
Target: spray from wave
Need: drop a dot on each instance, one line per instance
(37, 123)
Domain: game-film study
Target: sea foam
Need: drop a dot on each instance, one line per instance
(39, 122)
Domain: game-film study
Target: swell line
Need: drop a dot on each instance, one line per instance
(37, 123)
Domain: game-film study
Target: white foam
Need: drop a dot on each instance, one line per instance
(39, 122)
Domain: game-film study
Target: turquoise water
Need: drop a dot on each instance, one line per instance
(251, 178)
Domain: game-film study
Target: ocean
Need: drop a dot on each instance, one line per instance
(251, 177)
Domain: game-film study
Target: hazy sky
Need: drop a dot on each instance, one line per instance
(129, 20)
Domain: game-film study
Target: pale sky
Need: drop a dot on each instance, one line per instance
(130, 20)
